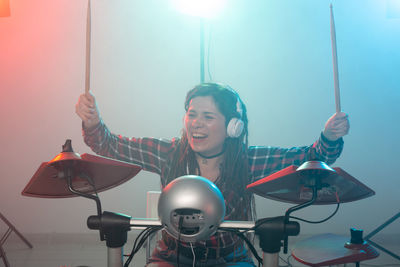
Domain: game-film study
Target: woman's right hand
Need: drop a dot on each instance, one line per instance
(87, 110)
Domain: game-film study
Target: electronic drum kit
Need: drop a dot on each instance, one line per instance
(313, 183)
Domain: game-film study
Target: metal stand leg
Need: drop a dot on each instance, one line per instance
(377, 230)
(270, 259)
(115, 257)
(11, 228)
(3, 255)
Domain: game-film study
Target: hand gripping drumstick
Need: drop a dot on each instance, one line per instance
(335, 63)
(88, 34)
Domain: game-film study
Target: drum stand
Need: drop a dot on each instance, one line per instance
(378, 229)
(11, 228)
(271, 232)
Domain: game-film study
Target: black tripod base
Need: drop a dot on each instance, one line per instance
(11, 228)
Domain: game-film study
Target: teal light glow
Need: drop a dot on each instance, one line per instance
(393, 9)
(200, 8)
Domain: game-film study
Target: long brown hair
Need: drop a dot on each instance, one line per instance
(234, 174)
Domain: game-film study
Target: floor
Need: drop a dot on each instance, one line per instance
(85, 250)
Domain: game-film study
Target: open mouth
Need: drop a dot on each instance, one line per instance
(198, 136)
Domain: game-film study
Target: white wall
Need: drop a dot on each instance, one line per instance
(145, 56)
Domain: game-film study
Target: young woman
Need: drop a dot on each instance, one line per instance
(213, 145)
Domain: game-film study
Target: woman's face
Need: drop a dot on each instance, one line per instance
(205, 126)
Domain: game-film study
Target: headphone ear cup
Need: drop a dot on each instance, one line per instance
(235, 127)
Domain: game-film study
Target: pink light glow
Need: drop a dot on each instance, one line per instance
(4, 8)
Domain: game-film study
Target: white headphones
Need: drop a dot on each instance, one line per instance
(236, 125)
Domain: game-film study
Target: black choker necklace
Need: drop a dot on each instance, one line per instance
(212, 156)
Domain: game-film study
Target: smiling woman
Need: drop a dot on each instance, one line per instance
(213, 145)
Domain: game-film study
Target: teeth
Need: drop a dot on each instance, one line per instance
(196, 135)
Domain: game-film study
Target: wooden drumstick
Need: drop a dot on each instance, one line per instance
(88, 35)
(335, 63)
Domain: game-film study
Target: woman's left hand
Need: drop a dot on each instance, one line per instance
(337, 126)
